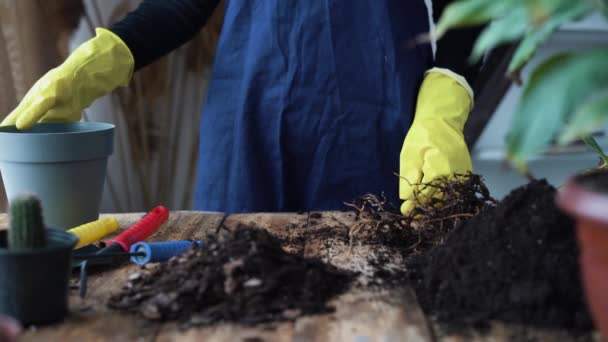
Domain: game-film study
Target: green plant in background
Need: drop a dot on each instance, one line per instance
(26, 228)
(566, 96)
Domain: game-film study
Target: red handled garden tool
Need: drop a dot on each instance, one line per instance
(117, 250)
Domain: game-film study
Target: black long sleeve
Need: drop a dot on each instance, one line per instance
(454, 49)
(157, 27)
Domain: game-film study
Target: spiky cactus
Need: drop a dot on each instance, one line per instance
(26, 228)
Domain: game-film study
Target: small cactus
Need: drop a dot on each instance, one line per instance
(26, 228)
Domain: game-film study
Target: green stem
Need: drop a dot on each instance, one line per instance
(590, 141)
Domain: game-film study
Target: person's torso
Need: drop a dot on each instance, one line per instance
(309, 102)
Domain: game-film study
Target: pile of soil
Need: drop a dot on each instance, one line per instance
(516, 262)
(243, 277)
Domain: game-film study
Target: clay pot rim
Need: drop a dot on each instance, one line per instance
(582, 201)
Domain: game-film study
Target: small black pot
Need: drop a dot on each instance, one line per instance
(34, 282)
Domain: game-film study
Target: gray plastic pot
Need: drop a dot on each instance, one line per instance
(63, 163)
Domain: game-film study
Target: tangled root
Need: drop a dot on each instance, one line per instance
(456, 199)
(463, 195)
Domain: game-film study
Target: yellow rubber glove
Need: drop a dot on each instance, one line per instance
(94, 69)
(434, 145)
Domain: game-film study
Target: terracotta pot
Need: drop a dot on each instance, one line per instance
(585, 197)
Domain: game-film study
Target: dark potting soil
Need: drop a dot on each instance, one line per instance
(594, 181)
(243, 277)
(516, 262)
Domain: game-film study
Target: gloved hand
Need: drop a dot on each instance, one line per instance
(434, 145)
(94, 69)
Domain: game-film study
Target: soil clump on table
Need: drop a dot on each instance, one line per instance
(516, 262)
(242, 276)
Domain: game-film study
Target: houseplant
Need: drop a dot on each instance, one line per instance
(34, 264)
(566, 98)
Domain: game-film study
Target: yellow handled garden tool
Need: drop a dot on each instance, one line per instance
(94, 231)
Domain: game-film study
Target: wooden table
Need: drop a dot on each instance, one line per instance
(361, 315)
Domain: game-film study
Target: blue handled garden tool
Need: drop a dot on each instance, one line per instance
(143, 253)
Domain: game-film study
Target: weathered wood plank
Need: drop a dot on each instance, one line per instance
(91, 320)
(503, 332)
(363, 314)
(367, 315)
(227, 332)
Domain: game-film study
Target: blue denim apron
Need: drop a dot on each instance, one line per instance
(309, 103)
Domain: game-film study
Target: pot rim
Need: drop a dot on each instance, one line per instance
(87, 127)
(582, 201)
(57, 143)
(60, 240)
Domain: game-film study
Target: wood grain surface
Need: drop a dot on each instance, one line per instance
(362, 314)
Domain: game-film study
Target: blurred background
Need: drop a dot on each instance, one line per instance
(154, 160)
(157, 116)
(557, 163)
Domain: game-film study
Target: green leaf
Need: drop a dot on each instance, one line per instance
(542, 10)
(590, 141)
(601, 5)
(472, 12)
(589, 116)
(506, 29)
(520, 124)
(528, 47)
(555, 89)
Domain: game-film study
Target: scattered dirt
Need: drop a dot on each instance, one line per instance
(376, 240)
(516, 262)
(243, 276)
